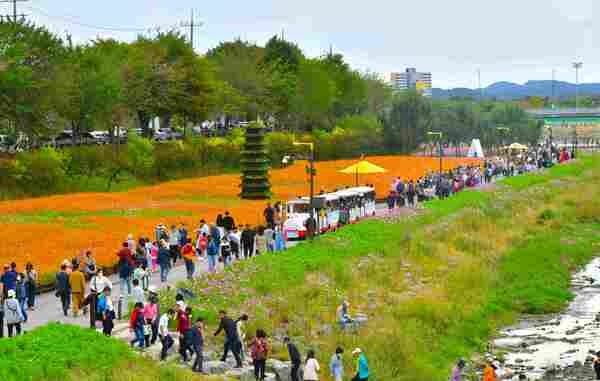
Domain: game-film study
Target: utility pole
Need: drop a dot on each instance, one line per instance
(479, 85)
(577, 66)
(14, 10)
(193, 26)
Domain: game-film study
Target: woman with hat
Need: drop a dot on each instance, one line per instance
(362, 367)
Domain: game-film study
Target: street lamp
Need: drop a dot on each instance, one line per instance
(577, 66)
(439, 135)
(311, 169)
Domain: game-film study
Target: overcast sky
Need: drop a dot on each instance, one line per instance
(512, 40)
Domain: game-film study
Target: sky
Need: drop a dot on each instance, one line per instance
(507, 40)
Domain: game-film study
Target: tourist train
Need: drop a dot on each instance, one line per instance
(331, 210)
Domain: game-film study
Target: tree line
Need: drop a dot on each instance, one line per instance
(48, 84)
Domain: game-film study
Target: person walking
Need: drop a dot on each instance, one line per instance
(9, 279)
(31, 278)
(269, 214)
(77, 283)
(187, 252)
(259, 351)
(228, 223)
(21, 292)
(174, 243)
(457, 370)
(106, 311)
(13, 314)
(411, 192)
(137, 294)
(232, 341)
(126, 267)
(63, 288)
(295, 358)
(489, 373)
(336, 365)
(212, 254)
(240, 326)
(311, 367)
(247, 239)
(151, 315)
(362, 366)
(197, 344)
(164, 261)
(164, 334)
(136, 326)
(183, 326)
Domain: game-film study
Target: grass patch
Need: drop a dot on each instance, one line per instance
(58, 352)
(435, 286)
(78, 219)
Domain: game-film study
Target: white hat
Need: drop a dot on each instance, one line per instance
(356, 351)
(11, 293)
(152, 289)
(180, 303)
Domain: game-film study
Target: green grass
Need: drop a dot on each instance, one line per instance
(78, 219)
(63, 353)
(435, 286)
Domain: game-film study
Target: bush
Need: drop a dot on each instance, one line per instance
(42, 172)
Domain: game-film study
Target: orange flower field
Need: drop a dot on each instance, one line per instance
(47, 230)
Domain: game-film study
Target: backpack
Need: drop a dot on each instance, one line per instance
(101, 305)
(259, 350)
(400, 187)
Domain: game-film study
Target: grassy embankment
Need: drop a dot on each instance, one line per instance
(67, 353)
(435, 286)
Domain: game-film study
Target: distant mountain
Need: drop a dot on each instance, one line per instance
(510, 91)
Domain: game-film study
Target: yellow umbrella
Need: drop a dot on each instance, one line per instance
(517, 146)
(363, 167)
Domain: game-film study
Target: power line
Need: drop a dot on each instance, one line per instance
(73, 20)
(14, 8)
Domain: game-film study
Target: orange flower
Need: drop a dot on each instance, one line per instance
(47, 230)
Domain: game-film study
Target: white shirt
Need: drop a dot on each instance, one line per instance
(138, 295)
(163, 325)
(311, 369)
(99, 283)
(205, 229)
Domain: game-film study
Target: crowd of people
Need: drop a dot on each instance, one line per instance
(222, 242)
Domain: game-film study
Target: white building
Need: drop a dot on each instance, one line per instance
(411, 79)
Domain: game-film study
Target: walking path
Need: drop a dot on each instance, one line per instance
(48, 308)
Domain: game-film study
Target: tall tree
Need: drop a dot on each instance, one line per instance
(29, 55)
(408, 121)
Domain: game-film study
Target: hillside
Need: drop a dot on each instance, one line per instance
(435, 286)
(511, 91)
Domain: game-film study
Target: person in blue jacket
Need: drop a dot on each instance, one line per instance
(362, 367)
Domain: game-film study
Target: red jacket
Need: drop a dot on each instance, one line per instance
(125, 254)
(183, 322)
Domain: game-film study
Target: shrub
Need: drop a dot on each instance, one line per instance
(42, 172)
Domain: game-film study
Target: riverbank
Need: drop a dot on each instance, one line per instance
(435, 286)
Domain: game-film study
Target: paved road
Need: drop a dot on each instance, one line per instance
(48, 307)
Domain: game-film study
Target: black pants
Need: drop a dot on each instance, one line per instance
(174, 250)
(248, 250)
(16, 327)
(295, 371)
(65, 300)
(259, 369)
(167, 342)
(107, 324)
(234, 346)
(183, 348)
(197, 367)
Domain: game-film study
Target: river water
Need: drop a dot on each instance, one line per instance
(556, 342)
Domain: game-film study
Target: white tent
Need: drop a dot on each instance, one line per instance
(476, 150)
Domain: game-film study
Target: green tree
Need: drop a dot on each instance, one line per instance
(29, 55)
(408, 121)
(314, 97)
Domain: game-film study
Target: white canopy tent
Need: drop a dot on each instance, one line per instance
(475, 150)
